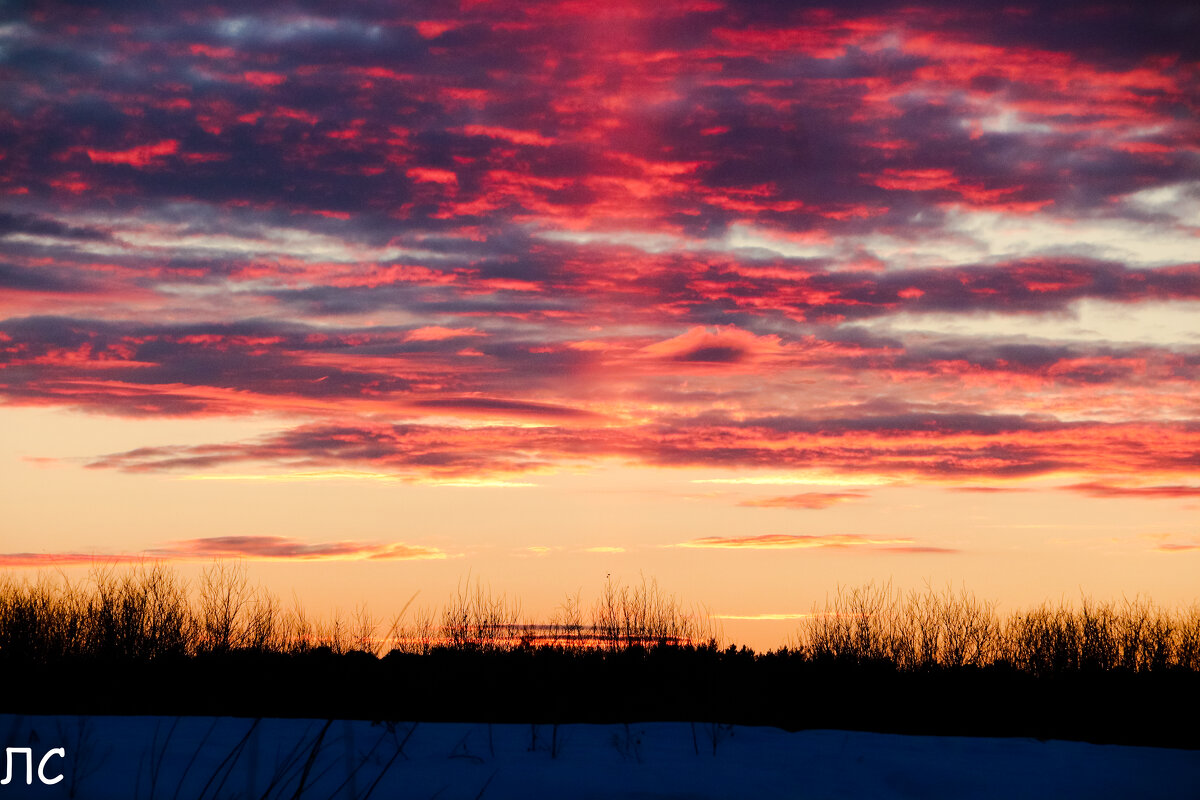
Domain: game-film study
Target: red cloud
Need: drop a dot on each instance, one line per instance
(508, 135)
(142, 156)
(263, 79)
(1178, 547)
(431, 175)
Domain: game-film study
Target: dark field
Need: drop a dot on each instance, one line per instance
(929, 662)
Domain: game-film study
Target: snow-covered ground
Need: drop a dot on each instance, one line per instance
(145, 758)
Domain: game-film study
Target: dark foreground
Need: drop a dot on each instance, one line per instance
(206, 758)
(666, 683)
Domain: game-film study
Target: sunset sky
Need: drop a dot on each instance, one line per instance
(755, 299)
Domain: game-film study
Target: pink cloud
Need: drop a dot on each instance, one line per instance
(804, 500)
(435, 333)
(1099, 489)
(261, 548)
(725, 344)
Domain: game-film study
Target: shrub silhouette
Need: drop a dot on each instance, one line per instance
(147, 613)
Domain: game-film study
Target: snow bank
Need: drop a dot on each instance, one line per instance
(198, 757)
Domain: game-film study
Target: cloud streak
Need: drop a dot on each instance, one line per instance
(930, 448)
(809, 500)
(253, 548)
(1096, 489)
(842, 541)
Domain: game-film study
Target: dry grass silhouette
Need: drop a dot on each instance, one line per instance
(947, 628)
(147, 612)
